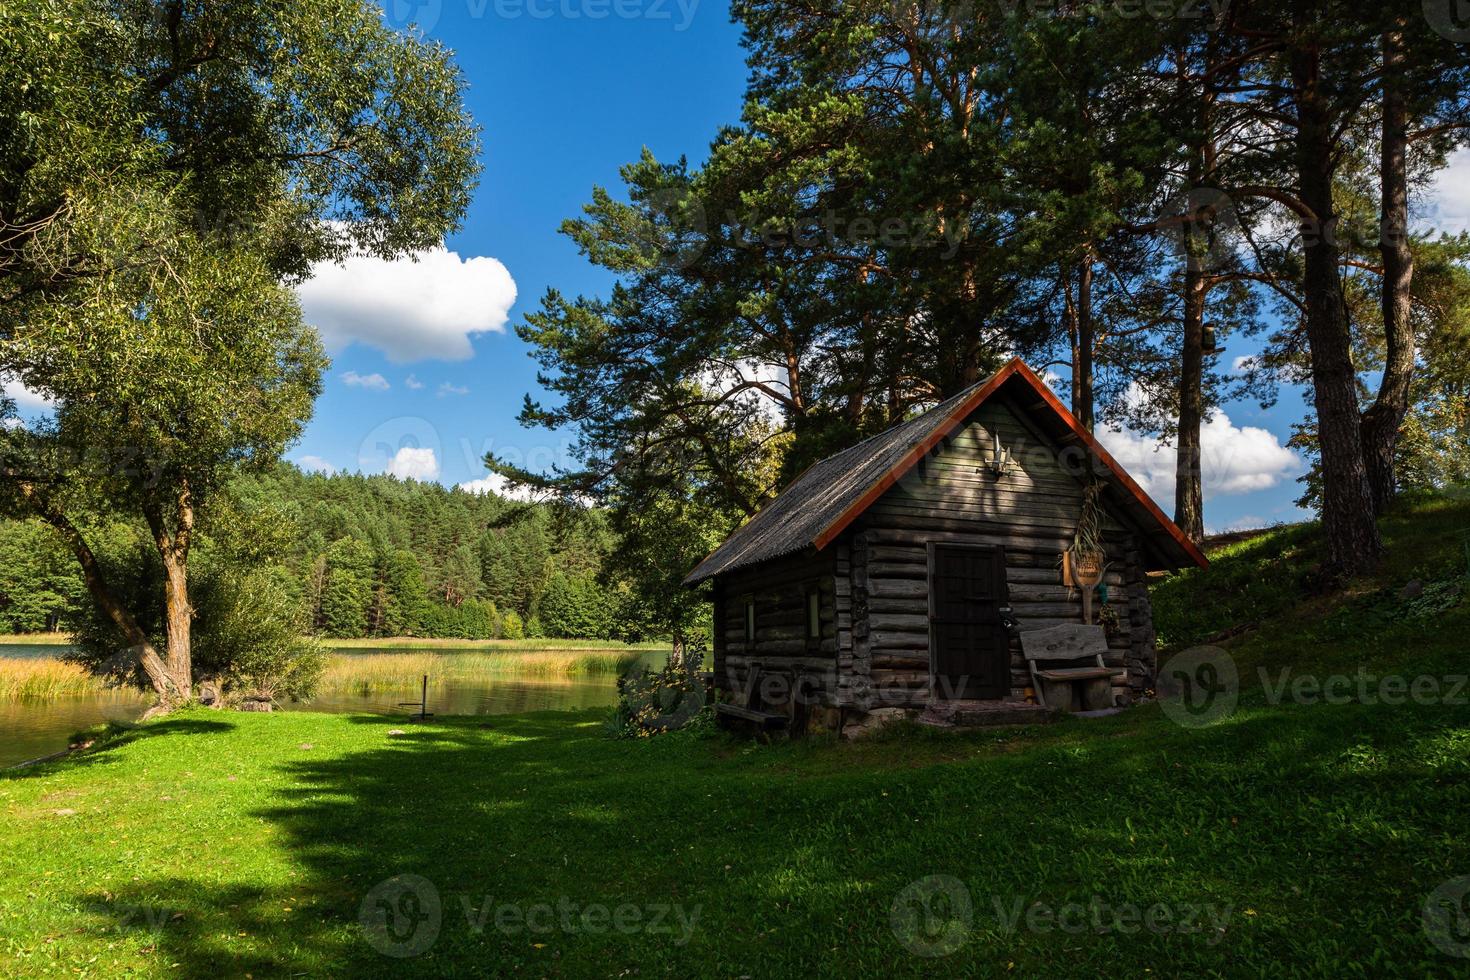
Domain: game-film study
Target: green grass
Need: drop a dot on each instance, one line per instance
(1314, 833)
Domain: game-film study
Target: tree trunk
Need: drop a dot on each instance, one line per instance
(1381, 422)
(173, 543)
(149, 661)
(1082, 345)
(1347, 503)
(1189, 499)
(178, 620)
(1188, 477)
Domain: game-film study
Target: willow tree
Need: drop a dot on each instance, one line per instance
(168, 170)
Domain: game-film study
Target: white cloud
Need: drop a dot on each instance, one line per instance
(315, 464)
(413, 463)
(412, 383)
(1234, 459)
(372, 382)
(498, 485)
(1247, 522)
(410, 310)
(447, 389)
(1446, 205)
(25, 398)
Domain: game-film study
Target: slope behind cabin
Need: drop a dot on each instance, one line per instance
(900, 572)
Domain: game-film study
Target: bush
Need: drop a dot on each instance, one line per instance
(248, 637)
(511, 626)
(654, 702)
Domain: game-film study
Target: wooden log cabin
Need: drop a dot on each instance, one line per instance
(899, 574)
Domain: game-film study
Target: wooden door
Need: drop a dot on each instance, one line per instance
(970, 647)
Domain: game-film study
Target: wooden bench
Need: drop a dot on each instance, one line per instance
(1056, 687)
(752, 711)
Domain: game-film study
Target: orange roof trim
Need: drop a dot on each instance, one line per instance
(1017, 368)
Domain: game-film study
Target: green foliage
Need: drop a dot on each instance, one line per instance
(666, 700)
(39, 583)
(511, 627)
(575, 607)
(249, 630)
(250, 636)
(130, 563)
(167, 172)
(402, 598)
(514, 559)
(348, 590)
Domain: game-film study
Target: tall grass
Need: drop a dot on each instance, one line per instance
(44, 678)
(517, 646)
(392, 671)
(35, 639)
(47, 679)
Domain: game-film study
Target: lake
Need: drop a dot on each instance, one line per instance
(30, 729)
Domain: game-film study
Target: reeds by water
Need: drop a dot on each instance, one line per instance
(42, 678)
(391, 671)
(45, 678)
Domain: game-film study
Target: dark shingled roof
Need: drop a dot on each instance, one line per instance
(794, 520)
(829, 495)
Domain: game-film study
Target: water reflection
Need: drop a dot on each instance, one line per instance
(30, 729)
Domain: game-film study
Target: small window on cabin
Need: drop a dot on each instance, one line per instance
(813, 615)
(749, 620)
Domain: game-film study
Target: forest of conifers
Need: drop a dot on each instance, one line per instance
(373, 556)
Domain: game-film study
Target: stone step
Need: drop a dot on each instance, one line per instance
(984, 714)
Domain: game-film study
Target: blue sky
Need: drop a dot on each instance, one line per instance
(428, 374)
(563, 102)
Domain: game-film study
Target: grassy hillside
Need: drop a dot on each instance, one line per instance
(1265, 591)
(1294, 835)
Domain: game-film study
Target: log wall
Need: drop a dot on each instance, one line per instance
(954, 497)
(873, 581)
(779, 590)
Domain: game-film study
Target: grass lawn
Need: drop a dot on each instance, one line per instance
(1291, 836)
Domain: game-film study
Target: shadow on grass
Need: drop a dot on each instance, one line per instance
(112, 736)
(789, 856)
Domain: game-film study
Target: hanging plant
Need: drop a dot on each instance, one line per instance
(1086, 558)
(1084, 564)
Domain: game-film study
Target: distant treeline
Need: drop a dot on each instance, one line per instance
(374, 556)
